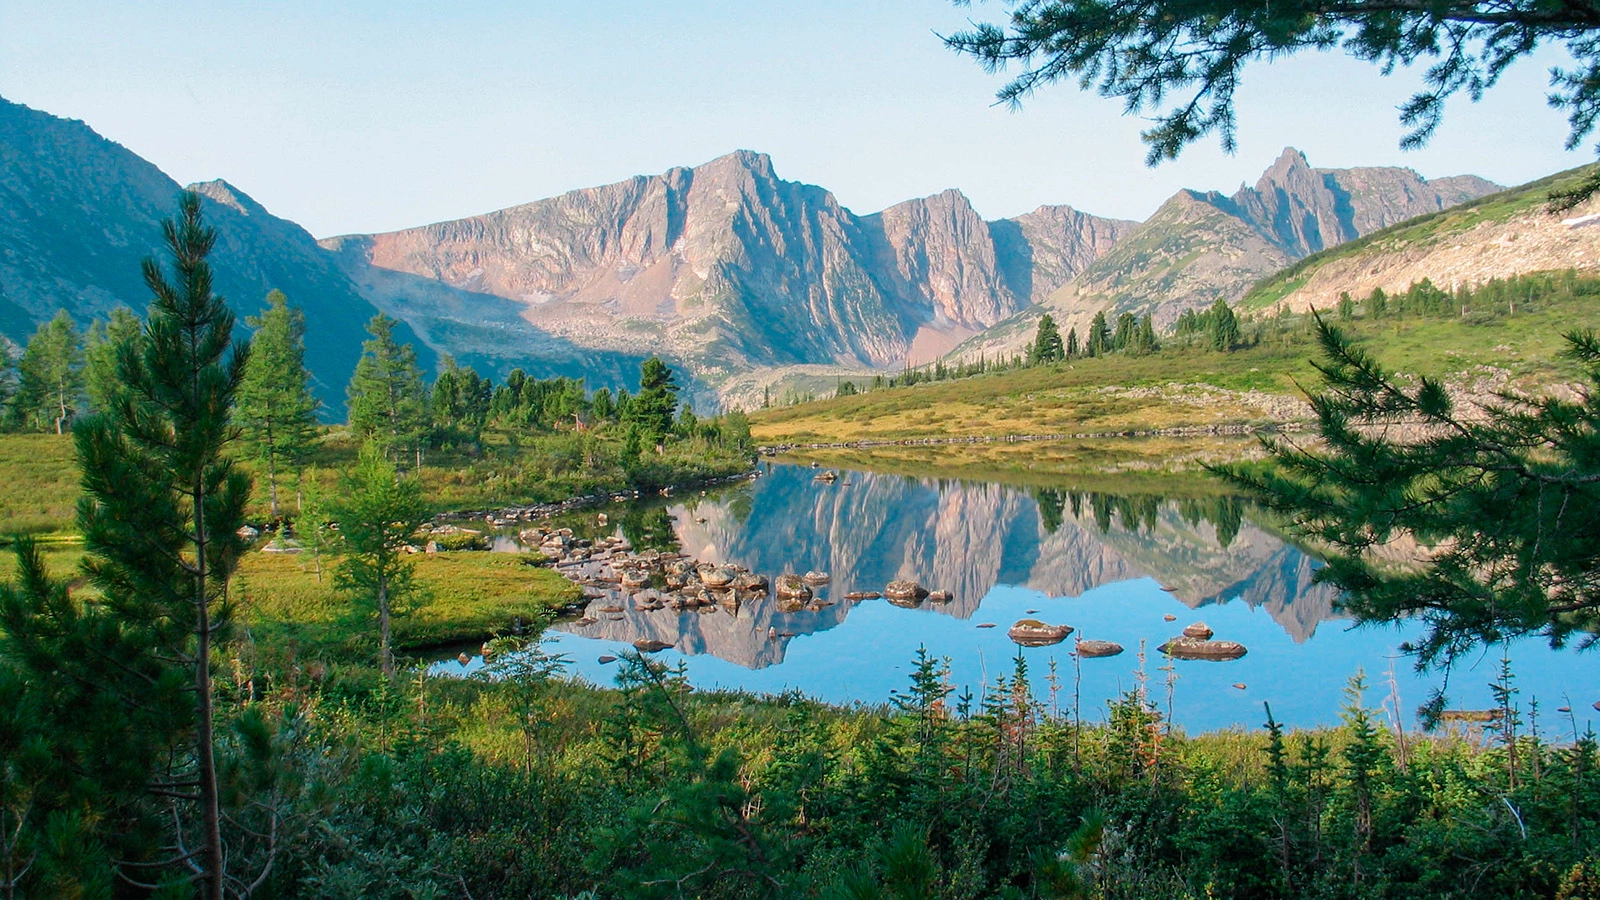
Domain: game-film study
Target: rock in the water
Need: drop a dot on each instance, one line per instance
(1034, 633)
(1195, 648)
(463, 658)
(1097, 649)
(608, 609)
(1169, 617)
(649, 646)
(904, 593)
(633, 579)
(1239, 685)
(862, 595)
(607, 658)
(791, 587)
(940, 597)
(247, 533)
(985, 624)
(719, 577)
(750, 581)
(815, 578)
(1199, 630)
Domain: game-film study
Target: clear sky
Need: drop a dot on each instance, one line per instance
(370, 116)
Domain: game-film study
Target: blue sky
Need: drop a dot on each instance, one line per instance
(374, 116)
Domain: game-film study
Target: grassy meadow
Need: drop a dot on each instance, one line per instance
(1189, 387)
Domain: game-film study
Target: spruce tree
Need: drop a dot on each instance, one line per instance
(276, 412)
(653, 407)
(50, 374)
(1224, 326)
(161, 507)
(378, 513)
(1099, 336)
(388, 402)
(1046, 342)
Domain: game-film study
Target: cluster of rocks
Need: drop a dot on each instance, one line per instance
(1196, 642)
(1034, 633)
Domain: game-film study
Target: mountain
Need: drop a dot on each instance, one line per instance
(1201, 246)
(1497, 236)
(78, 213)
(728, 268)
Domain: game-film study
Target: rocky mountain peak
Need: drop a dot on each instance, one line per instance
(226, 194)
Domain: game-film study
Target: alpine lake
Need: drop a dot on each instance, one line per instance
(1134, 569)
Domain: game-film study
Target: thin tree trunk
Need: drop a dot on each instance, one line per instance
(272, 479)
(212, 865)
(385, 657)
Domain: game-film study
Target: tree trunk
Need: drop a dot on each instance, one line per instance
(272, 480)
(211, 854)
(385, 657)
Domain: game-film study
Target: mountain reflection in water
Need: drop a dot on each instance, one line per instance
(868, 529)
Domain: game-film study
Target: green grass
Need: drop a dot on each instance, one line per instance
(38, 485)
(1185, 387)
(460, 597)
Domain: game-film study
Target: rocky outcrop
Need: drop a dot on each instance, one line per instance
(1203, 245)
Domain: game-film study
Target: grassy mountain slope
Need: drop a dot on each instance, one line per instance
(1502, 234)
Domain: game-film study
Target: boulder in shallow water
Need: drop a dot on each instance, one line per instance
(1098, 649)
(791, 587)
(717, 577)
(1195, 648)
(902, 592)
(1034, 633)
(649, 646)
(607, 658)
(940, 597)
(1199, 630)
(815, 578)
(862, 595)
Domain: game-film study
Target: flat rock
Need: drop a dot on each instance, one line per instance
(1195, 648)
(650, 646)
(1034, 633)
(1097, 649)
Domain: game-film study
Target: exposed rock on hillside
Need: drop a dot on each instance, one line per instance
(1201, 246)
(729, 268)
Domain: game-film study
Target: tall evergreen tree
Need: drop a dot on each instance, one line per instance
(1099, 340)
(378, 513)
(461, 398)
(50, 388)
(1047, 346)
(1072, 343)
(276, 412)
(162, 502)
(388, 402)
(652, 409)
(1224, 326)
(102, 348)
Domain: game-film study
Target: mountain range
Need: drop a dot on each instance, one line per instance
(725, 268)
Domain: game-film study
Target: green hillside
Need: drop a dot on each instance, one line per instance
(1191, 387)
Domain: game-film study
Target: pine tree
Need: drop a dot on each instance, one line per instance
(1224, 326)
(1072, 343)
(378, 513)
(1047, 346)
(276, 412)
(162, 503)
(1509, 500)
(388, 402)
(1099, 336)
(653, 407)
(50, 374)
(103, 347)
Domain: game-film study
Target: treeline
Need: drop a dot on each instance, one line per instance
(1494, 299)
(64, 375)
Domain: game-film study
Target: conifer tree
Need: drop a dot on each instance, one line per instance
(50, 375)
(1072, 343)
(388, 402)
(276, 412)
(1224, 326)
(1046, 342)
(1508, 499)
(378, 513)
(162, 502)
(653, 407)
(1099, 336)
(103, 346)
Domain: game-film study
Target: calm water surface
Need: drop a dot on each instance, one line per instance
(1110, 566)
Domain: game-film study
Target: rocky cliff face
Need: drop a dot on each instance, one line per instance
(79, 212)
(1201, 246)
(728, 267)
